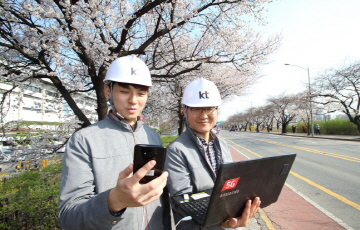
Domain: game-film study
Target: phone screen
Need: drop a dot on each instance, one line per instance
(145, 153)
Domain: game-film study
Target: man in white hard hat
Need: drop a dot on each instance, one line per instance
(194, 158)
(98, 190)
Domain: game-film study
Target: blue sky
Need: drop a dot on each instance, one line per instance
(317, 34)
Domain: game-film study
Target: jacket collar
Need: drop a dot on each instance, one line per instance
(123, 123)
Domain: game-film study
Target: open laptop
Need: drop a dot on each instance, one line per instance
(236, 183)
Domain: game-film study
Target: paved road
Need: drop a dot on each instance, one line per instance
(337, 158)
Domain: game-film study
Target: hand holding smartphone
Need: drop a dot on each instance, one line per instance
(144, 153)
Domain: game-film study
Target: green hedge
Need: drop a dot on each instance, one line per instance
(335, 126)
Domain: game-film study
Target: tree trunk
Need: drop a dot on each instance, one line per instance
(98, 83)
(68, 98)
(182, 118)
(283, 127)
(356, 121)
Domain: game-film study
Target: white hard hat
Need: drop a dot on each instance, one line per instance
(129, 69)
(201, 93)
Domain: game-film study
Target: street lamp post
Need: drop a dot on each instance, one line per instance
(311, 116)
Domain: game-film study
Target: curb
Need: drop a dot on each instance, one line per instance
(357, 139)
(267, 223)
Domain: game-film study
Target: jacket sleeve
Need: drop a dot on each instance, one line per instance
(179, 181)
(80, 207)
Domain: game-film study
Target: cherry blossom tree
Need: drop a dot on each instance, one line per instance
(72, 43)
(303, 108)
(166, 97)
(339, 90)
(286, 107)
(268, 113)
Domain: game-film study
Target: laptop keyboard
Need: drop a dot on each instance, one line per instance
(198, 207)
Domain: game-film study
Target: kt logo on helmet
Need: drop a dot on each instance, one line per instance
(203, 95)
(230, 184)
(133, 71)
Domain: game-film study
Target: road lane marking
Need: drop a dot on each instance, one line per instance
(343, 157)
(329, 192)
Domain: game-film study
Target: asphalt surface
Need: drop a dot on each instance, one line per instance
(294, 211)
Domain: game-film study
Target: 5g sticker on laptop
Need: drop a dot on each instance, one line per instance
(230, 184)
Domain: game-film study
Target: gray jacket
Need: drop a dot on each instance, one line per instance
(92, 162)
(190, 170)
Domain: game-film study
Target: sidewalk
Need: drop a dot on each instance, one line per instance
(291, 212)
(321, 136)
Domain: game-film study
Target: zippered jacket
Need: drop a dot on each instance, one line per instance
(190, 170)
(92, 162)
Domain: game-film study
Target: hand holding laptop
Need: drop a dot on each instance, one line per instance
(249, 212)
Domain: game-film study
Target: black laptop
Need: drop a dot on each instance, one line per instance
(236, 183)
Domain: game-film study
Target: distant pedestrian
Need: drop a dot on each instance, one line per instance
(303, 128)
(317, 129)
(294, 128)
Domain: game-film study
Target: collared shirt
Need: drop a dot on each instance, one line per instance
(210, 152)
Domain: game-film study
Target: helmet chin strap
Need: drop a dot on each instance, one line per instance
(111, 101)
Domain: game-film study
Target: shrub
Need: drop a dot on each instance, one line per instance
(339, 126)
(29, 200)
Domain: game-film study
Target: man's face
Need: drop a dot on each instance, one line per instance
(129, 102)
(200, 121)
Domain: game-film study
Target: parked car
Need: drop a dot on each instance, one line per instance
(13, 158)
(22, 158)
(61, 150)
(47, 151)
(232, 129)
(6, 151)
(7, 158)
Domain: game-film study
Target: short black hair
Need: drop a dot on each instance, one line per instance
(127, 85)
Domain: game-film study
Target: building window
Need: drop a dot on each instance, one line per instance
(34, 89)
(50, 93)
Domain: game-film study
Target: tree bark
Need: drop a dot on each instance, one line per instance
(68, 98)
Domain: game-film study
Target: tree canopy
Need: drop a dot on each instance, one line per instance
(72, 43)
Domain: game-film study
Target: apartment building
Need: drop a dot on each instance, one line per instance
(40, 101)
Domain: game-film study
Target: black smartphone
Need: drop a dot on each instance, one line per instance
(144, 153)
